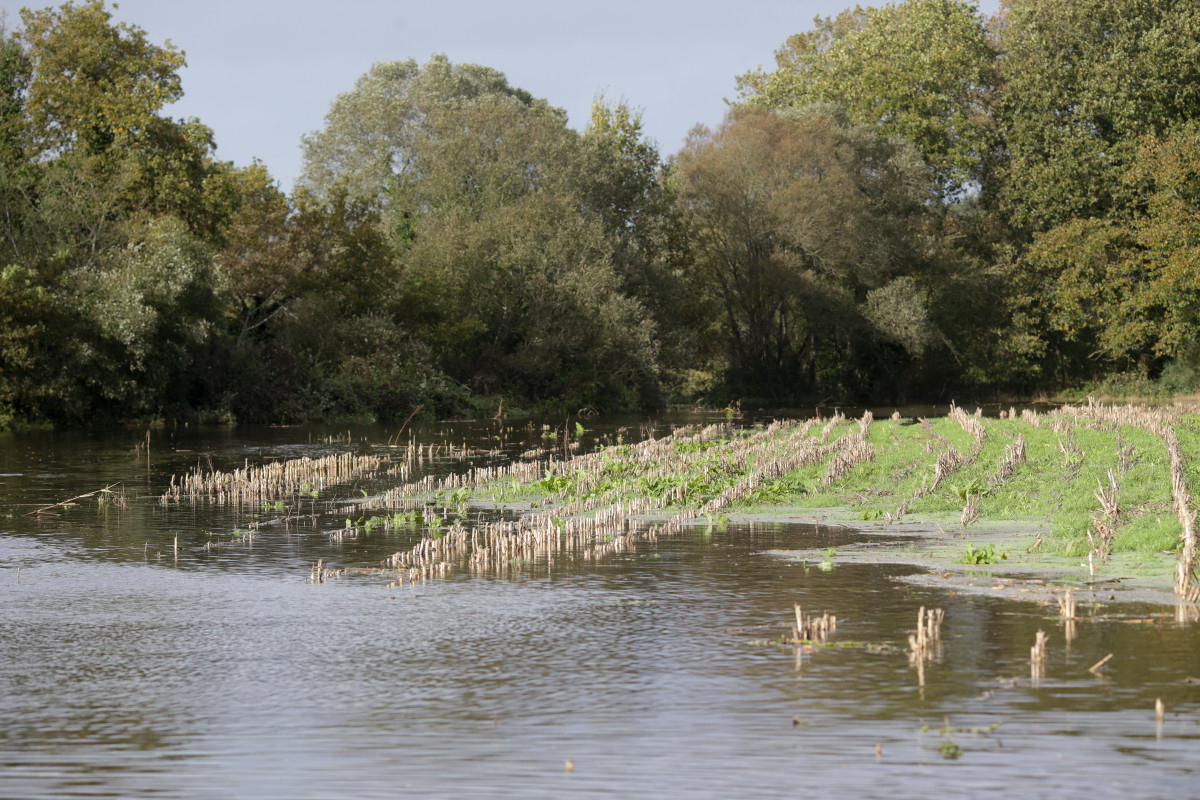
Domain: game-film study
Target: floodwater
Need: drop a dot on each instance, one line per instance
(126, 671)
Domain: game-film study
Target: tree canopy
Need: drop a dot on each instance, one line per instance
(916, 202)
(805, 229)
(920, 70)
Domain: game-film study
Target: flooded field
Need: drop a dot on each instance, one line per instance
(182, 650)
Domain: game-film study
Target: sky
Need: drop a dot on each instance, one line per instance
(262, 73)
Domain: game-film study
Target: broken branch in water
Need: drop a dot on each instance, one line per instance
(105, 490)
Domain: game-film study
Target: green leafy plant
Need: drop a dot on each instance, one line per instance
(827, 564)
(982, 555)
(976, 488)
(949, 750)
(458, 498)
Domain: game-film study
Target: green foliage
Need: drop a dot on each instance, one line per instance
(973, 488)
(782, 490)
(26, 316)
(981, 555)
(1161, 310)
(918, 69)
(826, 564)
(899, 310)
(795, 219)
(1084, 80)
(914, 201)
(697, 447)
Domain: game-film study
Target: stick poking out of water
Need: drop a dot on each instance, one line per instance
(925, 644)
(105, 490)
(812, 629)
(1037, 656)
(1095, 668)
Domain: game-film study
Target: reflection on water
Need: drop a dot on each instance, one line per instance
(126, 673)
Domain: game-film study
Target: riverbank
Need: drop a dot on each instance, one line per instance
(999, 559)
(1074, 496)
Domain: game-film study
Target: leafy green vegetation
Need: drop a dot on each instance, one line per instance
(981, 555)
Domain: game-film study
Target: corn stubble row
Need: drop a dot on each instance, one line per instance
(269, 482)
(581, 522)
(605, 524)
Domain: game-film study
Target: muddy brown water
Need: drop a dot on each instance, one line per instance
(127, 673)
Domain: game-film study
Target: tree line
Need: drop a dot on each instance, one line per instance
(917, 201)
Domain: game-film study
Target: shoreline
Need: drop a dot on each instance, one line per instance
(937, 547)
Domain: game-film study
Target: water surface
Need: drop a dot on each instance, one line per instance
(125, 672)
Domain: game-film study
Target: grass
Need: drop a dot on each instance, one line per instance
(961, 470)
(1055, 485)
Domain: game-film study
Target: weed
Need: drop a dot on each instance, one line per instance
(827, 564)
(983, 555)
(975, 488)
(949, 750)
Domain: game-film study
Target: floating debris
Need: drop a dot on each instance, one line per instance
(106, 497)
(1095, 668)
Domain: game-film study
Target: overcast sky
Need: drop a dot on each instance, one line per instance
(263, 72)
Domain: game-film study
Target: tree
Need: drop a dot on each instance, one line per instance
(97, 85)
(1083, 82)
(258, 263)
(623, 181)
(140, 314)
(506, 250)
(1167, 232)
(1130, 288)
(18, 172)
(1091, 94)
(370, 132)
(920, 69)
(27, 333)
(109, 209)
(92, 105)
(804, 228)
(527, 296)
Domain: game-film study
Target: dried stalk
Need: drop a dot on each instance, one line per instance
(107, 490)
(1037, 656)
(1066, 610)
(1106, 521)
(925, 644)
(970, 512)
(947, 462)
(812, 629)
